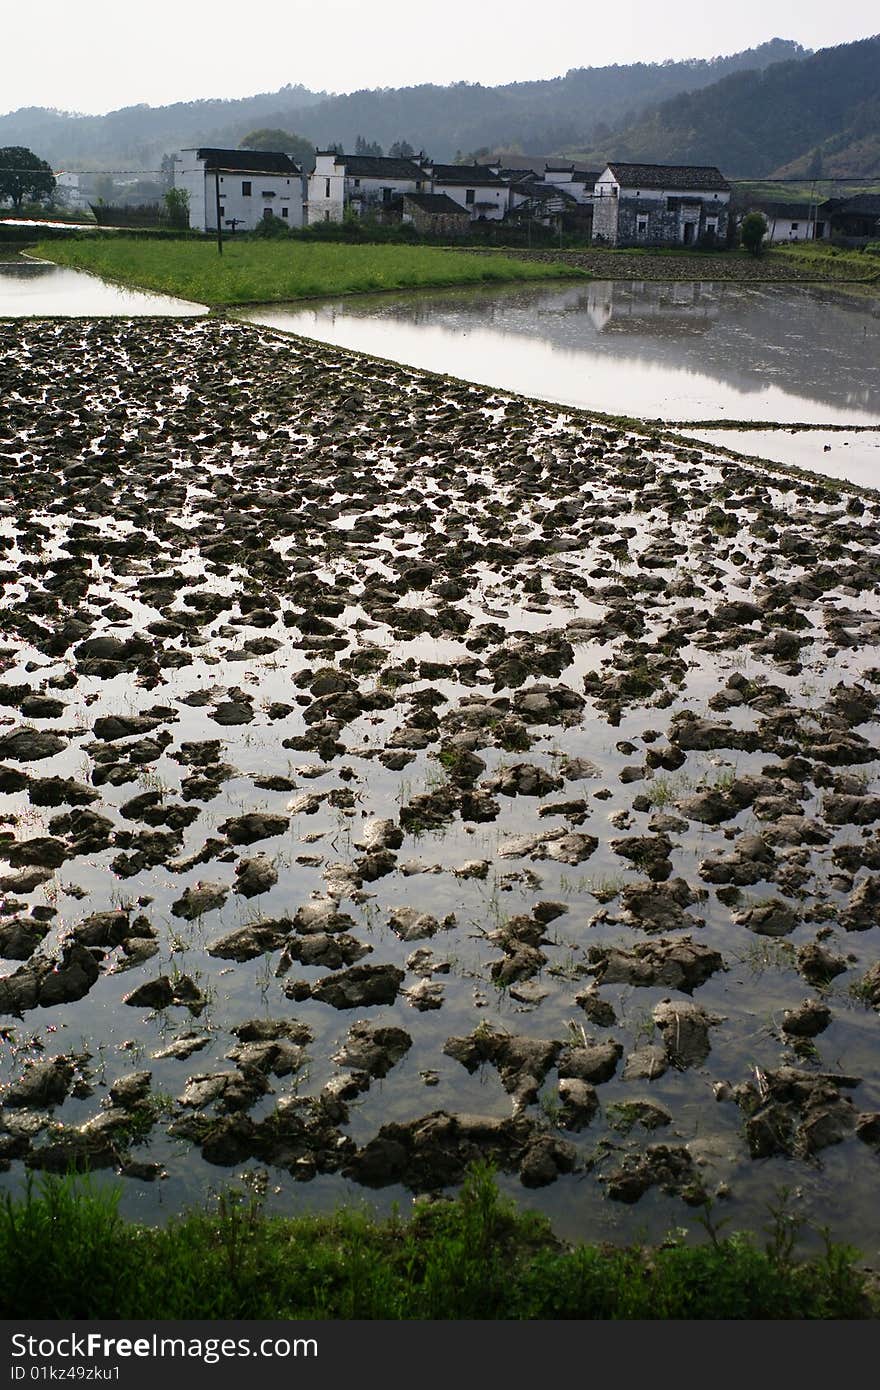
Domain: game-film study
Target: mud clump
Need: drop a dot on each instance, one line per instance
(680, 964)
(435, 1151)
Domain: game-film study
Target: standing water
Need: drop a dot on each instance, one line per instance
(681, 353)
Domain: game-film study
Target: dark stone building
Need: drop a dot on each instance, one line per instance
(660, 205)
(435, 213)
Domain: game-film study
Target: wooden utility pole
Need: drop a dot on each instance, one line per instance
(217, 204)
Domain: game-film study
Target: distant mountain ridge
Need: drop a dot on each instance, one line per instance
(818, 115)
(577, 109)
(136, 137)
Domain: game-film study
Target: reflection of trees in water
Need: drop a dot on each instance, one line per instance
(817, 342)
(26, 270)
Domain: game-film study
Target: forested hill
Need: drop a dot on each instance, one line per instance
(541, 117)
(818, 115)
(136, 137)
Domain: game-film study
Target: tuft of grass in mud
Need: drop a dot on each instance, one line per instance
(255, 272)
(65, 1252)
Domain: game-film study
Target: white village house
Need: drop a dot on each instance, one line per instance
(660, 205)
(788, 222)
(478, 188)
(372, 185)
(68, 192)
(627, 204)
(365, 183)
(245, 185)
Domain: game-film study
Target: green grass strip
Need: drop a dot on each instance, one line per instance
(260, 272)
(65, 1252)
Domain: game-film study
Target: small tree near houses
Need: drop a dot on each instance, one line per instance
(24, 177)
(176, 210)
(753, 231)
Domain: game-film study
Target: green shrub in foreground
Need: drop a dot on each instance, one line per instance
(66, 1253)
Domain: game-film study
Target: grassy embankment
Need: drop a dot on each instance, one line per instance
(828, 259)
(778, 264)
(259, 272)
(65, 1252)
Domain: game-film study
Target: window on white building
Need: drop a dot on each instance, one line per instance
(470, 196)
(326, 188)
(284, 212)
(642, 224)
(246, 188)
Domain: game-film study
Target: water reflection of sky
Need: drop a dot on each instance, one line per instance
(39, 289)
(659, 350)
(850, 454)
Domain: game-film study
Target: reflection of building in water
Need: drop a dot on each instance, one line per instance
(639, 306)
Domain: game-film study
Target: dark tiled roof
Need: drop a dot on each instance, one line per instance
(696, 176)
(587, 176)
(247, 161)
(558, 168)
(866, 204)
(464, 174)
(370, 166)
(544, 192)
(437, 203)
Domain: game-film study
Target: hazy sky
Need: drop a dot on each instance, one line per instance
(96, 55)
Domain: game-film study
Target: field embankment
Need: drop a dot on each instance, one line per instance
(252, 272)
(66, 1253)
(802, 262)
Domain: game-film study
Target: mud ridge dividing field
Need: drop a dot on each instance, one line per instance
(397, 772)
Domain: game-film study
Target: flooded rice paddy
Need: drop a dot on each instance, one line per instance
(35, 288)
(678, 352)
(673, 351)
(397, 771)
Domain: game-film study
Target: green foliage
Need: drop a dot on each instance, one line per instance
(271, 229)
(755, 123)
(543, 116)
(58, 1248)
(753, 230)
(176, 202)
(24, 176)
(269, 138)
(255, 271)
(362, 146)
(66, 1253)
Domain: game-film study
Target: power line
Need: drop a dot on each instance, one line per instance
(809, 178)
(750, 178)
